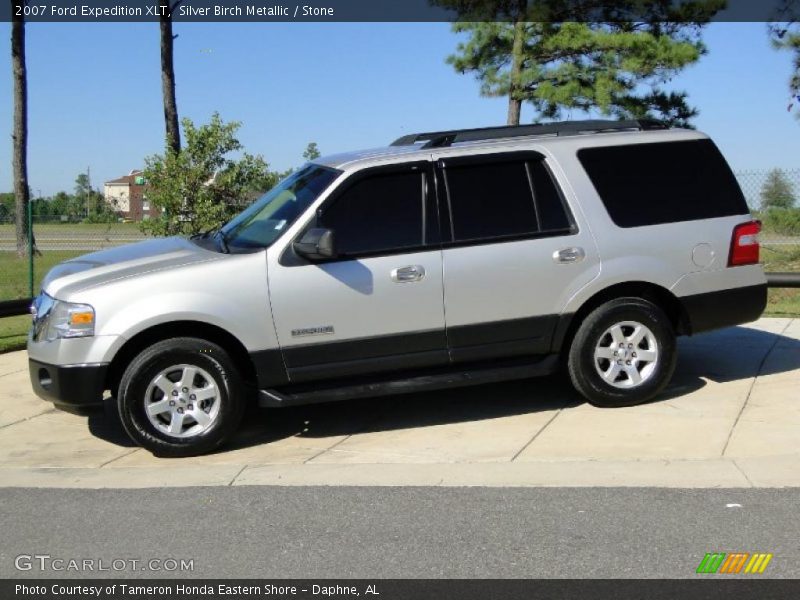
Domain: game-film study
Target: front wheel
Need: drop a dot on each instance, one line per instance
(181, 397)
(624, 353)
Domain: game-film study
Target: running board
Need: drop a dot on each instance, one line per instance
(407, 385)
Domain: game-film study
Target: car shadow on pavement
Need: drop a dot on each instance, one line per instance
(724, 356)
(737, 353)
(347, 417)
(419, 410)
(107, 426)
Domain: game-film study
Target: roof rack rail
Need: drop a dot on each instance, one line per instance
(440, 139)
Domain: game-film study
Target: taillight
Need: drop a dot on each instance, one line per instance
(744, 245)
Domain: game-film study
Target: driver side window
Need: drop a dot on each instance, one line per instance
(378, 214)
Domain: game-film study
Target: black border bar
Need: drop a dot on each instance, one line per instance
(709, 587)
(382, 10)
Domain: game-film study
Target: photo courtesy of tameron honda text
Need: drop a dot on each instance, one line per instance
(188, 590)
(439, 259)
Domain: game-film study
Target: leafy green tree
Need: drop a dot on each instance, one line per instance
(41, 207)
(7, 207)
(785, 35)
(777, 191)
(7, 202)
(311, 152)
(533, 51)
(84, 194)
(201, 187)
(100, 211)
(82, 185)
(92, 204)
(70, 206)
(58, 204)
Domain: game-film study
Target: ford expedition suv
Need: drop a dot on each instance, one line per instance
(445, 259)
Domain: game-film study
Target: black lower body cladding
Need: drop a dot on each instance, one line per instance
(76, 389)
(725, 308)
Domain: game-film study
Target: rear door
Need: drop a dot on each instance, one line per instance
(377, 307)
(513, 254)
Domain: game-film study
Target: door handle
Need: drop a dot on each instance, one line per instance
(567, 256)
(408, 274)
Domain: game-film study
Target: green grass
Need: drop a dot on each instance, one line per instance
(7, 229)
(14, 271)
(782, 302)
(14, 333)
(14, 285)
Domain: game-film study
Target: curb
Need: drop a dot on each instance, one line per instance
(762, 472)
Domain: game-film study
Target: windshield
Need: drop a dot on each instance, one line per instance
(267, 218)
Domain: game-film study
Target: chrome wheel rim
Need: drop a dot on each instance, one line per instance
(182, 401)
(626, 355)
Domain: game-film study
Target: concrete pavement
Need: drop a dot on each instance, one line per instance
(730, 418)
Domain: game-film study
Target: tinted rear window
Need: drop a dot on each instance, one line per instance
(491, 200)
(503, 198)
(552, 215)
(651, 184)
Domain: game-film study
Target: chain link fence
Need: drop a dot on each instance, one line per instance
(780, 237)
(756, 186)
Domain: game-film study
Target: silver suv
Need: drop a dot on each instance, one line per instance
(446, 259)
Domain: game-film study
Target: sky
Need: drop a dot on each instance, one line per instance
(95, 92)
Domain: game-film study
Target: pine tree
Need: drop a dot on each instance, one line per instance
(777, 191)
(312, 151)
(523, 50)
(785, 35)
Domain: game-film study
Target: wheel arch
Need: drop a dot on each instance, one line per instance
(196, 329)
(568, 323)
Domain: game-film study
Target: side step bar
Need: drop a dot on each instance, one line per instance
(406, 385)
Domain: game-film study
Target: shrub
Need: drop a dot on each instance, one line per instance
(783, 221)
(201, 187)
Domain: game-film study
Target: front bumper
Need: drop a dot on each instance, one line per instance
(74, 388)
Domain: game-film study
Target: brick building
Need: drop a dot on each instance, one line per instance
(128, 196)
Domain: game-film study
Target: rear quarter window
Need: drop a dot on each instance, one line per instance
(668, 182)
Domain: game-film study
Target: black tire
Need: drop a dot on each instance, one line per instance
(582, 363)
(211, 358)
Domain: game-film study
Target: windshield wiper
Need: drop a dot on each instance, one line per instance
(223, 241)
(203, 234)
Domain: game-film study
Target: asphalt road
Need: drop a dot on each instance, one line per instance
(340, 532)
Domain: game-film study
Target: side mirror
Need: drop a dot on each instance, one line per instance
(316, 244)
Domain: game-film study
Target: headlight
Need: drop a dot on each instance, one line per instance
(54, 319)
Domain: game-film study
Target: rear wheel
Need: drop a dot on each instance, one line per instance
(623, 353)
(181, 397)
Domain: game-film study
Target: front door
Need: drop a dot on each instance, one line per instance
(378, 307)
(513, 254)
